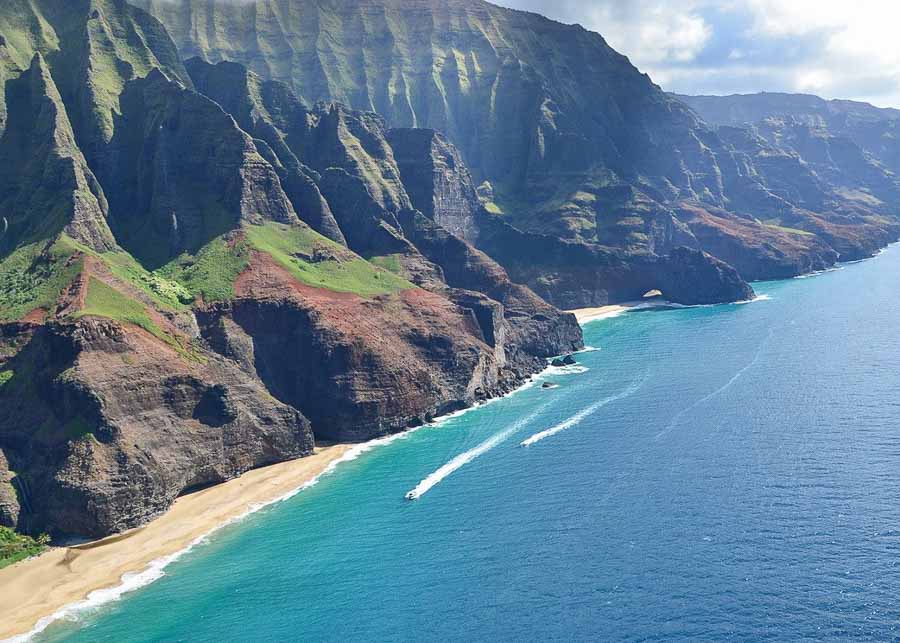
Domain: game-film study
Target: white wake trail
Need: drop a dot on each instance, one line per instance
(718, 391)
(465, 458)
(585, 413)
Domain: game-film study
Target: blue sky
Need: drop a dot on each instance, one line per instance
(833, 49)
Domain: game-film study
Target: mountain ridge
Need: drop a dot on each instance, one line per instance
(144, 337)
(205, 270)
(550, 111)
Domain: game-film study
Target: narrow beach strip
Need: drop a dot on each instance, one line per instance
(51, 586)
(585, 315)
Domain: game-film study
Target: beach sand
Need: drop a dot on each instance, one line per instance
(585, 315)
(38, 588)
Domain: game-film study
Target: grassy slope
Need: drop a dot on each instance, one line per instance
(211, 273)
(34, 276)
(294, 247)
(104, 301)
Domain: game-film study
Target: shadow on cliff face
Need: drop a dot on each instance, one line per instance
(105, 426)
(380, 369)
(579, 275)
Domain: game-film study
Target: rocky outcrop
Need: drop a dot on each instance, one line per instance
(836, 177)
(578, 275)
(371, 179)
(46, 186)
(873, 129)
(361, 368)
(437, 180)
(758, 251)
(106, 426)
(9, 497)
(535, 328)
(182, 173)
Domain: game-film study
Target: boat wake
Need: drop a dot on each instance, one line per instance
(585, 413)
(465, 458)
(156, 569)
(718, 391)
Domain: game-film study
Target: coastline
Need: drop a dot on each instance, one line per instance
(85, 576)
(91, 574)
(62, 580)
(586, 315)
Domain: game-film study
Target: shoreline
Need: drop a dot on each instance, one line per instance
(587, 315)
(66, 580)
(88, 575)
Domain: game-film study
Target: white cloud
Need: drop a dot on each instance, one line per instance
(650, 31)
(835, 49)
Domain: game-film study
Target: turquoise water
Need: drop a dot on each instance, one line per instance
(721, 472)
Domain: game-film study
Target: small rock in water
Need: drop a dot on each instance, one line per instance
(568, 360)
(548, 385)
(557, 363)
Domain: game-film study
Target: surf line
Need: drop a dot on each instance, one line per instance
(585, 413)
(465, 458)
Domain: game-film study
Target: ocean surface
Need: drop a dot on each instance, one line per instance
(727, 472)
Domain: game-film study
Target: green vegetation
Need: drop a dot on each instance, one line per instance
(15, 547)
(319, 262)
(34, 276)
(165, 292)
(776, 225)
(105, 301)
(77, 428)
(6, 376)
(211, 273)
(391, 263)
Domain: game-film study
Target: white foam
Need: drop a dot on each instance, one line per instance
(818, 273)
(465, 458)
(156, 569)
(574, 369)
(755, 300)
(583, 414)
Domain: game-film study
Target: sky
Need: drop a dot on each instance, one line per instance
(846, 49)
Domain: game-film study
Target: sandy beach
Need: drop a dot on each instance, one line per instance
(585, 315)
(37, 588)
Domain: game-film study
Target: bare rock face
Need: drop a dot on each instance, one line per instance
(758, 251)
(106, 427)
(437, 180)
(9, 501)
(47, 186)
(577, 275)
(375, 182)
(535, 329)
(362, 368)
(182, 173)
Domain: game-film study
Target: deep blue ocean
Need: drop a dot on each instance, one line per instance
(728, 472)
